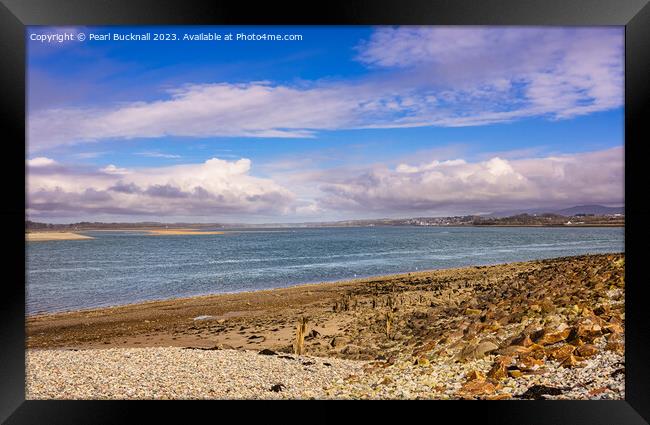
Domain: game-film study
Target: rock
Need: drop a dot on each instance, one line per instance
(587, 330)
(499, 397)
(477, 388)
(313, 334)
(523, 340)
(586, 350)
(267, 352)
(613, 328)
(499, 369)
(513, 350)
(561, 352)
(515, 373)
(615, 345)
(277, 388)
(548, 337)
(569, 361)
(351, 349)
(536, 392)
(476, 351)
(339, 341)
(528, 362)
(472, 312)
(474, 375)
(422, 361)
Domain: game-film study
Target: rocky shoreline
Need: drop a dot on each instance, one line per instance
(540, 329)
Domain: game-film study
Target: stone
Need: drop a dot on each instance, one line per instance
(561, 352)
(528, 362)
(339, 341)
(476, 351)
(277, 388)
(613, 328)
(523, 340)
(548, 337)
(615, 345)
(569, 361)
(477, 388)
(515, 373)
(313, 334)
(474, 375)
(351, 349)
(499, 369)
(537, 392)
(499, 397)
(513, 350)
(586, 350)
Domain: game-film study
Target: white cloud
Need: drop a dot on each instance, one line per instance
(209, 189)
(40, 161)
(112, 169)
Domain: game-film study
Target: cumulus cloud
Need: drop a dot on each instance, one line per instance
(40, 161)
(418, 76)
(497, 183)
(112, 169)
(208, 189)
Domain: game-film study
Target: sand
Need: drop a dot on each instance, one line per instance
(169, 232)
(54, 236)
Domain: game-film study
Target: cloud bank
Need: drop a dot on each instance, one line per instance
(218, 187)
(209, 189)
(486, 186)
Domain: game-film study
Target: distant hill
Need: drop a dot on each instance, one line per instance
(591, 209)
(567, 212)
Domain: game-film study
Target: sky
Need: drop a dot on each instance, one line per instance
(321, 123)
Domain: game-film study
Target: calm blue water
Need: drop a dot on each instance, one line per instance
(125, 267)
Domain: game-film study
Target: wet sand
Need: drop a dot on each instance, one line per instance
(54, 236)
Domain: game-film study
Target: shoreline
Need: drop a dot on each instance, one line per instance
(296, 286)
(506, 331)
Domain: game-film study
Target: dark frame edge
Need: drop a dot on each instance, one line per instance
(12, 313)
(637, 109)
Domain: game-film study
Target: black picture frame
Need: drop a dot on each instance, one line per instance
(633, 14)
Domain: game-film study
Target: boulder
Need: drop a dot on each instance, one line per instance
(476, 351)
(561, 352)
(474, 375)
(339, 341)
(477, 388)
(586, 350)
(548, 336)
(499, 369)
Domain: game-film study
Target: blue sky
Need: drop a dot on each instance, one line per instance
(347, 122)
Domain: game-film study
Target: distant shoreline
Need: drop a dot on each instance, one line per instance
(222, 230)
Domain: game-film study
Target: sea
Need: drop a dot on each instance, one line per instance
(119, 267)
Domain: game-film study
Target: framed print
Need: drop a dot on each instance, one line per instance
(424, 201)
